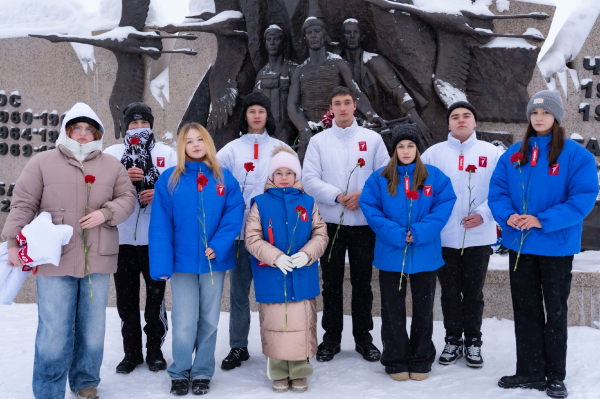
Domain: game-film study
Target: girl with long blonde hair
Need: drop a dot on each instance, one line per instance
(197, 213)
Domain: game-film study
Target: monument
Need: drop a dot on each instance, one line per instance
(406, 60)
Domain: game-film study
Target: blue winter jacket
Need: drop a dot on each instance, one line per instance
(176, 236)
(388, 217)
(277, 209)
(560, 197)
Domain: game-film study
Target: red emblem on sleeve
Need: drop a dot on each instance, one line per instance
(221, 190)
(554, 169)
(160, 162)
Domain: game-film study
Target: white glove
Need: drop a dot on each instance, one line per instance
(284, 263)
(300, 259)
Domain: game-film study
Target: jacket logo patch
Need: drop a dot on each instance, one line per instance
(427, 190)
(554, 169)
(221, 190)
(304, 216)
(160, 162)
(262, 264)
(483, 162)
(362, 145)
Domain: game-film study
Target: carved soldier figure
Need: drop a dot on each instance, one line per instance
(377, 78)
(273, 80)
(315, 79)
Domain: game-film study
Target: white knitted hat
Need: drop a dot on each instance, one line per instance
(283, 157)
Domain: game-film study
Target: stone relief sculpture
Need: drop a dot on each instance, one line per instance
(128, 43)
(378, 79)
(273, 80)
(315, 79)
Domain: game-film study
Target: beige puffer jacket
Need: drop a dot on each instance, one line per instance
(53, 181)
(299, 341)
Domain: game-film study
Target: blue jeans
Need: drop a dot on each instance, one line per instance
(70, 334)
(240, 279)
(195, 317)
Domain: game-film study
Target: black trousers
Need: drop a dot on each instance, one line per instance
(132, 261)
(462, 279)
(538, 282)
(360, 243)
(401, 353)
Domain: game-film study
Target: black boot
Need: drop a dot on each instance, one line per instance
(235, 358)
(452, 351)
(155, 360)
(473, 352)
(368, 351)
(200, 387)
(515, 381)
(180, 387)
(556, 389)
(327, 350)
(129, 363)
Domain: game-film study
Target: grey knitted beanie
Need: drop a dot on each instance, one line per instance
(551, 101)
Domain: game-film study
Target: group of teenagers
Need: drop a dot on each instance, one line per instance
(190, 215)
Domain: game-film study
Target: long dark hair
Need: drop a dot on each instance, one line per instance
(391, 173)
(556, 144)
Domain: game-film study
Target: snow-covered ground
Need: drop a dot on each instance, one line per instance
(347, 376)
(588, 261)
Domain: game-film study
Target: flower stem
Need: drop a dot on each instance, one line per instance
(468, 214)
(85, 246)
(342, 214)
(206, 237)
(406, 247)
(285, 276)
(136, 224)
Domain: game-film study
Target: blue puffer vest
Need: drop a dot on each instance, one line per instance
(277, 211)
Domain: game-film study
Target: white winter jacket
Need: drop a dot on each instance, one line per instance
(445, 156)
(163, 157)
(330, 157)
(239, 151)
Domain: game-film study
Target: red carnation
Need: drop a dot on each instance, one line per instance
(249, 166)
(516, 157)
(300, 209)
(327, 119)
(89, 179)
(471, 169)
(202, 181)
(412, 195)
(134, 141)
(361, 162)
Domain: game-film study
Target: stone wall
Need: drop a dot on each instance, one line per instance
(584, 301)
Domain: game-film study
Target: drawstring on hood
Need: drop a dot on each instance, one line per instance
(80, 151)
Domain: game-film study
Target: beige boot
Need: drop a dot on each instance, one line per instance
(419, 376)
(400, 376)
(299, 385)
(88, 393)
(281, 385)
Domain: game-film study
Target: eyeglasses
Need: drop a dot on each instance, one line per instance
(79, 129)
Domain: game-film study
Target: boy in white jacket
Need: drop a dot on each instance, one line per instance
(247, 158)
(145, 160)
(330, 158)
(471, 226)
